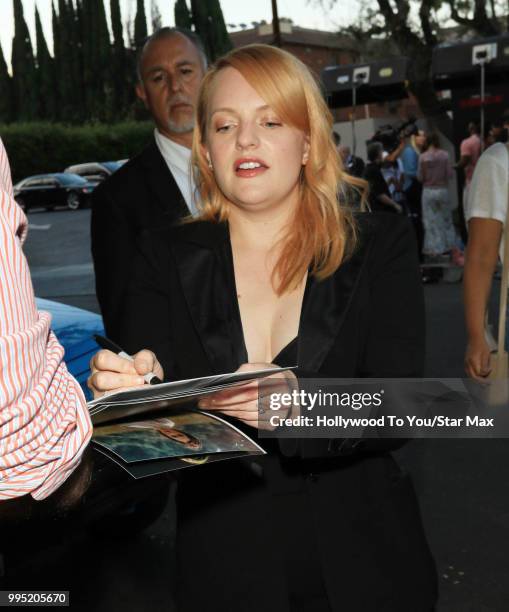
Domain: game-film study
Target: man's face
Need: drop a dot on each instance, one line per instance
(420, 139)
(496, 131)
(171, 73)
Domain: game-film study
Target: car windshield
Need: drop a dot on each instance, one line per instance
(111, 166)
(71, 179)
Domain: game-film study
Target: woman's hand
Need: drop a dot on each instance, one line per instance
(477, 359)
(242, 401)
(111, 373)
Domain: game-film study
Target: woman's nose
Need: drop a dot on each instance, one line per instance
(247, 136)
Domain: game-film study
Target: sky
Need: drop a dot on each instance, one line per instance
(306, 13)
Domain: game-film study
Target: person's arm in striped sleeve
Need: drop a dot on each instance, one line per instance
(44, 421)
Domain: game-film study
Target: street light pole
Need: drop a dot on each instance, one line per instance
(483, 96)
(275, 24)
(352, 117)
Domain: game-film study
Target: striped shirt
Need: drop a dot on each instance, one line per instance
(44, 420)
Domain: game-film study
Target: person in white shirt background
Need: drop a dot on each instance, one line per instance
(486, 214)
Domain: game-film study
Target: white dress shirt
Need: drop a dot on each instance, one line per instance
(178, 160)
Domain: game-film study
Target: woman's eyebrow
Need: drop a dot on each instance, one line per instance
(226, 109)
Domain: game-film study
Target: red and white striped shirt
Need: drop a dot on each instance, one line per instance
(44, 420)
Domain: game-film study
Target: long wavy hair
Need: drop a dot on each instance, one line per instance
(323, 231)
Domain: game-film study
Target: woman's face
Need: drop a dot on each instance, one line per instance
(256, 158)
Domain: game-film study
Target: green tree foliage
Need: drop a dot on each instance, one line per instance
(140, 24)
(6, 89)
(103, 108)
(413, 28)
(57, 55)
(75, 51)
(91, 76)
(210, 26)
(120, 82)
(38, 147)
(45, 74)
(97, 61)
(182, 15)
(155, 16)
(220, 41)
(23, 67)
(65, 74)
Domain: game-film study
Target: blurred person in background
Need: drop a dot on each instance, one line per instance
(434, 172)
(499, 130)
(470, 151)
(393, 173)
(379, 194)
(352, 164)
(486, 215)
(412, 187)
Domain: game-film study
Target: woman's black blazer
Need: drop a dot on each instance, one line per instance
(366, 320)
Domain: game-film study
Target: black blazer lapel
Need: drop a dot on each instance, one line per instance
(203, 260)
(163, 188)
(324, 308)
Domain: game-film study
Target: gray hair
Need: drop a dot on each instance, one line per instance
(167, 32)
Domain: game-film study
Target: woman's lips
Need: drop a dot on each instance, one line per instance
(248, 168)
(250, 172)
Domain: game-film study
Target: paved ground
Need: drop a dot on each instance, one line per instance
(462, 484)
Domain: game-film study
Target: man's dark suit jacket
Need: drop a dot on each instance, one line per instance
(141, 195)
(329, 515)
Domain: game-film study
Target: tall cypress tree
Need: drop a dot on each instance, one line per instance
(210, 26)
(78, 35)
(89, 42)
(6, 90)
(120, 77)
(57, 54)
(155, 16)
(75, 61)
(140, 24)
(219, 38)
(96, 50)
(65, 64)
(182, 15)
(104, 108)
(23, 67)
(45, 81)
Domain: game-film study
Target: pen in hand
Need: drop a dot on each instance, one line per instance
(104, 343)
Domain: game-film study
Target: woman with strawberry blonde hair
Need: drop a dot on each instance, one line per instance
(278, 272)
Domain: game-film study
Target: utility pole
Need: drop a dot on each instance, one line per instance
(275, 25)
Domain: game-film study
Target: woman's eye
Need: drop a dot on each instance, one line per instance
(224, 128)
(272, 124)
(157, 78)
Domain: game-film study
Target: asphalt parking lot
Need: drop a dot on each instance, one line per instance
(58, 252)
(461, 484)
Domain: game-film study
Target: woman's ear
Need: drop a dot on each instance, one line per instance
(207, 155)
(305, 152)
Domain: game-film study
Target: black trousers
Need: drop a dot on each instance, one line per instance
(413, 196)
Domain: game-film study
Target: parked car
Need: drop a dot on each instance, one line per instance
(94, 172)
(75, 328)
(51, 190)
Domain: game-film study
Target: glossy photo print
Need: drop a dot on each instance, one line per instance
(181, 435)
